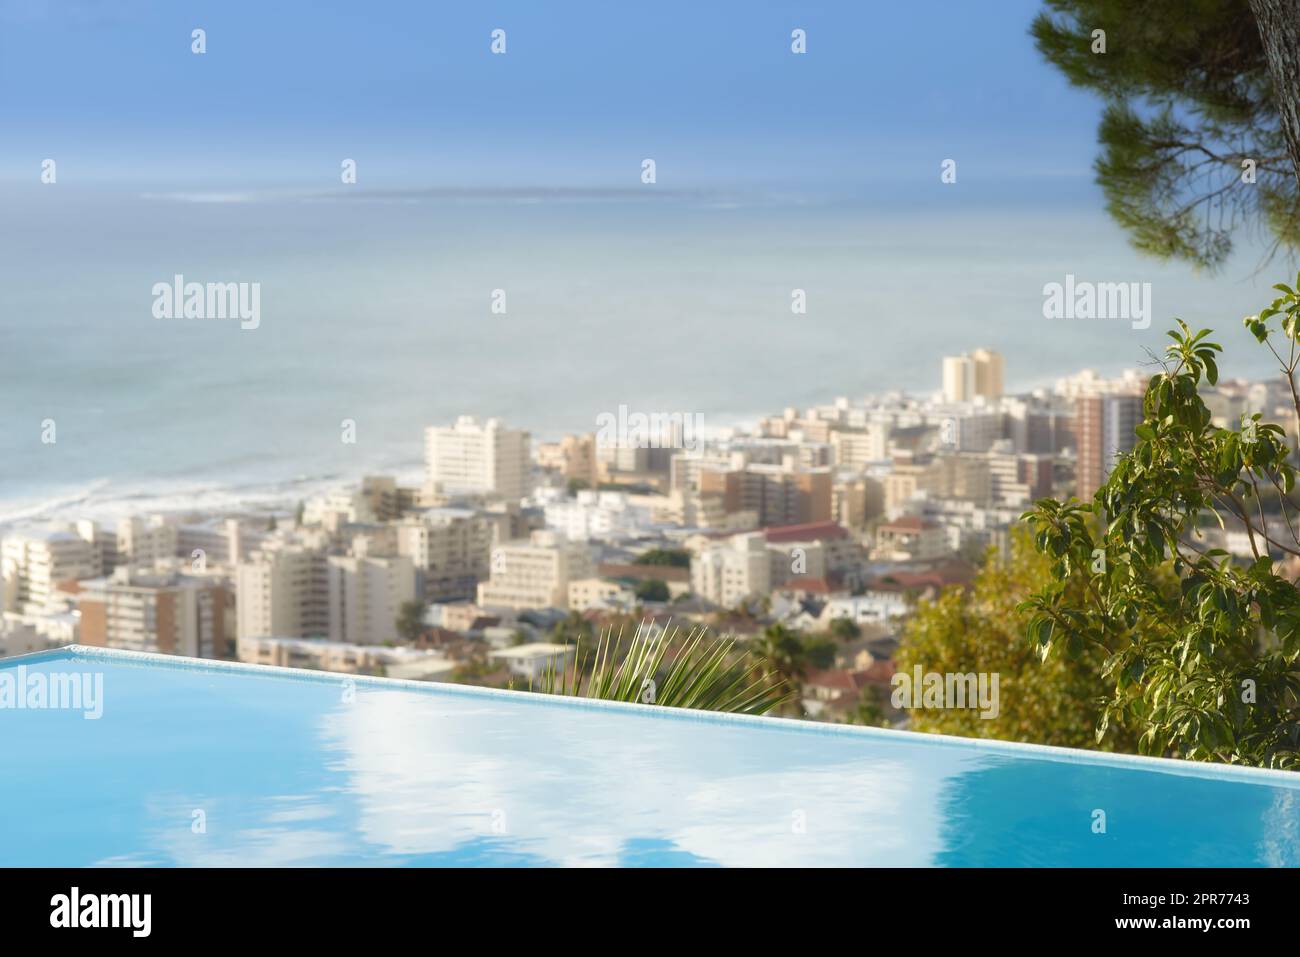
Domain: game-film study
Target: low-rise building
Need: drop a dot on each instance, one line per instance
(345, 657)
(732, 570)
(535, 573)
(533, 660)
(911, 538)
(588, 593)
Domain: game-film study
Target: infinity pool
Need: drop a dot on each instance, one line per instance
(198, 763)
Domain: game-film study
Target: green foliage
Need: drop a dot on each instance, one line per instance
(573, 629)
(788, 656)
(410, 620)
(675, 557)
(1188, 97)
(665, 667)
(652, 589)
(982, 630)
(870, 710)
(845, 629)
(1202, 654)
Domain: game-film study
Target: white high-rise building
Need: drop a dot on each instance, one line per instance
(366, 592)
(145, 543)
(728, 572)
(32, 563)
(295, 590)
(283, 590)
(535, 573)
(973, 374)
(859, 448)
(484, 459)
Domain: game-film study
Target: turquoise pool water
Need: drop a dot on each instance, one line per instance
(199, 764)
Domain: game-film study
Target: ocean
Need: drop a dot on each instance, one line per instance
(376, 309)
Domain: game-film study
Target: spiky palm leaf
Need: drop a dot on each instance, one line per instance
(699, 672)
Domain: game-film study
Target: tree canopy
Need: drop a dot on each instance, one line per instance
(1194, 134)
(1202, 651)
(981, 630)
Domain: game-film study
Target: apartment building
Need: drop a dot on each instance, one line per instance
(220, 541)
(969, 428)
(167, 612)
(574, 457)
(283, 590)
(686, 469)
(778, 494)
(687, 509)
(814, 550)
(856, 499)
(296, 589)
(487, 458)
(592, 514)
(858, 448)
(145, 542)
(34, 562)
(945, 476)
(972, 375)
(535, 573)
(588, 593)
(911, 538)
(366, 593)
(451, 548)
(341, 507)
(732, 570)
(1043, 426)
(1017, 479)
(103, 543)
(1105, 426)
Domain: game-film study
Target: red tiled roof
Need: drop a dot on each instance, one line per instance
(880, 672)
(819, 586)
(852, 682)
(910, 523)
(836, 679)
(949, 573)
(807, 532)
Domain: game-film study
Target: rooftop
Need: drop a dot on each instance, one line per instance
(807, 532)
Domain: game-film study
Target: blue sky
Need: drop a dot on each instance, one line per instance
(585, 91)
(776, 171)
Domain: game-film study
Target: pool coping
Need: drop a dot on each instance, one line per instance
(1176, 766)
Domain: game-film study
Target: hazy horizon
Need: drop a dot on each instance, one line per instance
(522, 172)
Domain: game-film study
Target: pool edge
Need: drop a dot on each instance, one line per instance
(1176, 766)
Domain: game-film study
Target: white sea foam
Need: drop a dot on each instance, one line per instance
(108, 501)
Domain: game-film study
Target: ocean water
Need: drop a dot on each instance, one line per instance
(259, 767)
(375, 308)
